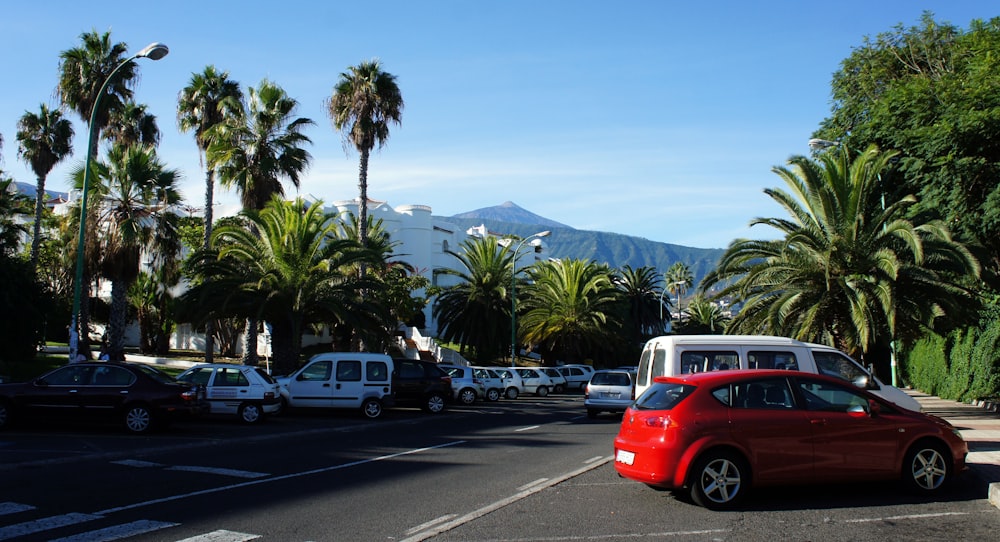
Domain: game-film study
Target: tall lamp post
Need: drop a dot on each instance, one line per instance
(665, 290)
(821, 144)
(153, 51)
(513, 296)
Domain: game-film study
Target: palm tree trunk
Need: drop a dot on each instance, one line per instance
(36, 240)
(250, 343)
(209, 198)
(363, 204)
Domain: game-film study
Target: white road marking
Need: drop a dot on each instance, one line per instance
(596, 458)
(529, 428)
(533, 484)
(137, 463)
(118, 532)
(45, 524)
(13, 508)
(221, 536)
(910, 516)
(430, 523)
(223, 472)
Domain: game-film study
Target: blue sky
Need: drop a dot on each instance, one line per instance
(658, 119)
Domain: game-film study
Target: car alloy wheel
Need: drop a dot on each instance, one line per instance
(138, 419)
(434, 404)
(511, 393)
(372, 408)
(467, 396)
(493, 395)
(541, 391)
(926, 467)
(718, 481)
(251, 413)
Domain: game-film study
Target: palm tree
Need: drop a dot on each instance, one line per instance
(703, 317)
(44, 140)
(82, 72)
(253, 149)
(678, 278)
(570, 308)
(475, 312)
(133, 124)
(848, 270)
(132, 180)
(12, 204)
(365, 101)
(286, 265)
(641, 294)
(209, 98)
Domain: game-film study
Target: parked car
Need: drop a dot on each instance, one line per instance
(609, 391)
(341, 380)
(492, 382)
(577, 376)
(421, 383)
(464, 384)
(535, 381)
(248, 392)
(139, 396)
(719, 434)
(513, 385)
(558, 380)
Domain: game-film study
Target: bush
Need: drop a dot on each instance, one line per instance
(985, 364)
(926, 364)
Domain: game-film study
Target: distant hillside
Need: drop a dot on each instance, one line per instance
(614, 249)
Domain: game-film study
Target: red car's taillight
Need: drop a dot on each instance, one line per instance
(658, 422)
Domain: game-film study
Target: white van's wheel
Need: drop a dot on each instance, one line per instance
(371, 408)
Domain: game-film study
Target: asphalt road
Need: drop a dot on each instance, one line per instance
(525, 470)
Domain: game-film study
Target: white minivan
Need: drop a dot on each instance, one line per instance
(341, 380)
(679, 354)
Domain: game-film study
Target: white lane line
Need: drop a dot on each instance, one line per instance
(221, 536)
(909, 516)
(529, 428)
(45, 524)
(431, 523)
(533, 484)
(595, 458)
(276, 478)
(14, 508)
(118, 532)
(223, 472)
(475, 514)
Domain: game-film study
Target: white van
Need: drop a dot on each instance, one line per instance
(341, 380)
(679, 354)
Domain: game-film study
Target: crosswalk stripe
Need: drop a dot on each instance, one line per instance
(223, 472)
(118, 532)
(221, 536)
(54, 522)
(13, 508)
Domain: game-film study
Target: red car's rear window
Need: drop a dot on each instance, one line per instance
(663, 396)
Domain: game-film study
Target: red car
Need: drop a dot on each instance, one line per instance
(717, 434)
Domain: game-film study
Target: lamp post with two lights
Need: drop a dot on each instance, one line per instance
(513, 295)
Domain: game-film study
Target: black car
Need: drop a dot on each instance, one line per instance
(138, 396)
(420, 383)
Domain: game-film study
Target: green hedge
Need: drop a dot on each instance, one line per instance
(964, 365)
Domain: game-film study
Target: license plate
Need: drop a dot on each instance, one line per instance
(612, 395)
(624, 456)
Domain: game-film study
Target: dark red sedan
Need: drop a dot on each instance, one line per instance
(717, 434)
(137, 395)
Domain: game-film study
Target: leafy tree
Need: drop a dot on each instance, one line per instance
(644, 303)
(44, 140)
(286, 265)
(932, 92)
(12, 205)
(133, 124)
(570, 308)
(844, 271)
(703, 318)
(475, 312)
(129, 184)
(678, 278)
(365, 101)
(253, 149)
(209, 98)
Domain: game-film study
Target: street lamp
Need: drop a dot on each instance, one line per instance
(664, 290)
(153, 51)
(822, 144)
(513, 296)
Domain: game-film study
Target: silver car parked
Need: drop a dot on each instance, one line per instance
(609, 391)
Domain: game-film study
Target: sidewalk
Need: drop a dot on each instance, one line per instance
(980, 426)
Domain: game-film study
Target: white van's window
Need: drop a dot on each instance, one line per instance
(317, 371)
(377, 371)
(700, 361)
(644, 368)
(349, 370)
(659, 362)
(757, 359)
(838, 365)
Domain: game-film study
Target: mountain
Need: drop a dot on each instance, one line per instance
(614, 249)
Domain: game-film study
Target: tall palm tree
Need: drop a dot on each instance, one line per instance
(133, 124)
(286, 264)
(82, 72)
(131, 182)
(253, 150)
(571, 308)
(678, 279)
(365, 101)
(209, 98)
(44, 140)
(703, 317)
(641, 294)
(848, 270)
(475, 312)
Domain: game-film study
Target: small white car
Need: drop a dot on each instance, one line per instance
(513, 385)
(492, 383)
(576, 376)
(535, 381)
(248, 392)
(466, 386)
(558, 380)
